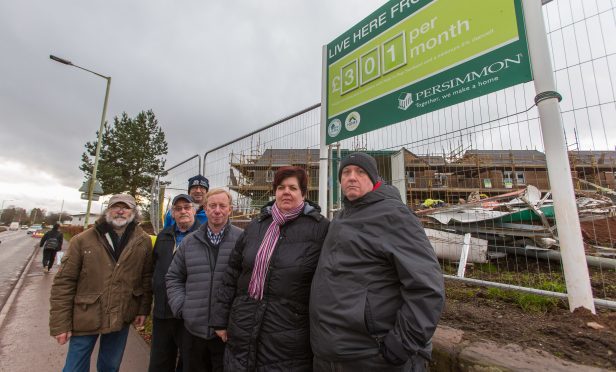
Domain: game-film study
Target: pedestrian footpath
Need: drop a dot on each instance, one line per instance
(25, 344)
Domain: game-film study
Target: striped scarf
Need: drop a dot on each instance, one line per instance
(257, 280)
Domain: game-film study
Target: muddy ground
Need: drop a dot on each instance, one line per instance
(543, 323)
(556, 330)
(599, 231)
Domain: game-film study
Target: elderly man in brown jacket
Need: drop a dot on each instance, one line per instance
(104, 283)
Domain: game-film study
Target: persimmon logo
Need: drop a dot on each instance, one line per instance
(405, 100)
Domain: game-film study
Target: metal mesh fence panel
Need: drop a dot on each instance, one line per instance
(247, 166)
(476, 172)
(584, 60)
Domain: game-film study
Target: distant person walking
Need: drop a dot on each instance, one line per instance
(104, 283)
(51, 243)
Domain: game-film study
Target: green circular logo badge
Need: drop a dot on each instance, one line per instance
(334, 127)
(352, 121)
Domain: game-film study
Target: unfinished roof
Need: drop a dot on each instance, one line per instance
(284, 157)
(593, 157)
(412, 158)
(504, 157)
(432, 159)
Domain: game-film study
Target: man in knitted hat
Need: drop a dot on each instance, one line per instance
(104, 283)
(377, 293)
(198, 186)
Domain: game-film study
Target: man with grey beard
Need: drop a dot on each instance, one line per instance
(104, 283)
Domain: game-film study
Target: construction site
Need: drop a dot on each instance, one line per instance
(500, 196)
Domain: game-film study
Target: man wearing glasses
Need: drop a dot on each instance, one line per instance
(167, 330)
(193, 279)
(104, 283)
(198, 186)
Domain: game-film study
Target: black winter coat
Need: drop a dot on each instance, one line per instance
(378, 282)
(162, 255)
(271, 334)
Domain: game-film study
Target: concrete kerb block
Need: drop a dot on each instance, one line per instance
(489, 356)
(480, 355)
(452, 353)
(16, 286)
(447, 343)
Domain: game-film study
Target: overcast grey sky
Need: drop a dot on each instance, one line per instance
(210, 70)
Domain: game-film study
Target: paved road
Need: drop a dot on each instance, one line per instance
(15, 249)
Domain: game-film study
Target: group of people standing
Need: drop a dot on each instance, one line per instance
(291, 292)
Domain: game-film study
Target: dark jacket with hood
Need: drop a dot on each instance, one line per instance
(378, 287)
(194, 277)
(53, 233)
(94, 292)
(162, 255)
(271, 334)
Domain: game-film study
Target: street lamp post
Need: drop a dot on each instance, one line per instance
(5, 200)
(61, 211)
(100, 133)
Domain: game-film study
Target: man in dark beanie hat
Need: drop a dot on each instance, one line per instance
(377, 279)
(198, 186)
(362, 160)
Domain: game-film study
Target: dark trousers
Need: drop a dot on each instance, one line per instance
(167, 337)
(49, 255)
(375, 363)
(202, 355)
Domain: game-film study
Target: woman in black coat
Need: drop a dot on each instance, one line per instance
(262, 307)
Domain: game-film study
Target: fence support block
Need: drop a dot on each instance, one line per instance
(464, 255)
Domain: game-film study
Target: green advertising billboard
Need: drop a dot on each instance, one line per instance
(411, 57)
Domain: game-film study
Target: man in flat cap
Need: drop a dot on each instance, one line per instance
(167, 330)
(377, 293)
(198, 186)
(104, 283)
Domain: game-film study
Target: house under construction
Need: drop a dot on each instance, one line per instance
(251, 176)
(419, 177)
(493, 172)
